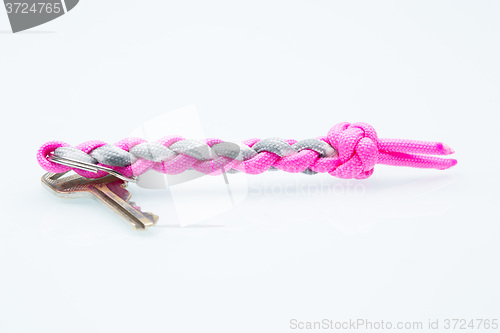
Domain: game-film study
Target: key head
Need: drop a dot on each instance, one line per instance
(109, 190)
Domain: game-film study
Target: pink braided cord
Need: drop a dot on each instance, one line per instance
(359, 150)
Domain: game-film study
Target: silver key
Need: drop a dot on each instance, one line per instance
(109, 190)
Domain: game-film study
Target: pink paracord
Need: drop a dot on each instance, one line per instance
(359, 150)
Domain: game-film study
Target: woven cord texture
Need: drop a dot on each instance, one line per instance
(348, 151)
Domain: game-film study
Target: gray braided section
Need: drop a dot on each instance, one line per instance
(193, 148)
(319, 146)
(156, 152)
(235, 151)
(75, 154)
(275, 145)
(153, 151)
(112, 155)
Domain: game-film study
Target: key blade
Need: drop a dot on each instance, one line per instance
(118, 202)
(108, 190)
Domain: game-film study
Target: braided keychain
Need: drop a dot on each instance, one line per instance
(103, 170)
(348, 151)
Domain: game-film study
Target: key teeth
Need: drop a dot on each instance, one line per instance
(152, 217)
(120, 190)
(137, 208)
(126, 196)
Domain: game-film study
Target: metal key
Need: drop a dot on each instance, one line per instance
(109, 190)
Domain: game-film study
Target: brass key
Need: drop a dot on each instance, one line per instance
(109, 190)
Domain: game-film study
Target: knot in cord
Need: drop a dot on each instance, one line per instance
(357, 145)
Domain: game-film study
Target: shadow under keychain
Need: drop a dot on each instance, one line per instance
(103, 170)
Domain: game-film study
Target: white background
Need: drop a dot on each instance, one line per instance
(408, 244)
